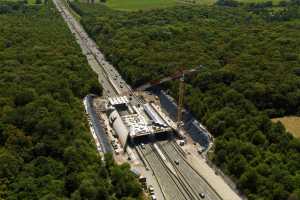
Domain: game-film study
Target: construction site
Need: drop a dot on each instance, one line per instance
(139, 114)
(131, 121)
(143, 133)
(142, 126)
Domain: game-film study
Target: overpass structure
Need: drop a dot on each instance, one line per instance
(131, 120)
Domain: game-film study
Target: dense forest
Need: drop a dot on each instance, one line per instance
(46, 150)
(251, 59)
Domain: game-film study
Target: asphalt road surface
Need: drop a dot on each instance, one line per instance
(193, 179)
(169, 184)
(109, 78)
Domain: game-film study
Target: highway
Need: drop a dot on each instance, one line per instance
(187, 184)
(190, 176)
(181, 183)
(108, 76)
(169, 183)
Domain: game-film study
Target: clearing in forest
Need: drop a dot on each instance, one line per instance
(291, 123)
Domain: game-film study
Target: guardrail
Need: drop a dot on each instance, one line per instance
(155, 176)
(181, 187)
(184, 159)
(192, 193)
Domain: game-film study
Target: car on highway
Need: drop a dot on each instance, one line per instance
(114, 144)
(200, 150)
(176, 162)
(151, 189)
(202, 195)
(181, 142)
(117, 151)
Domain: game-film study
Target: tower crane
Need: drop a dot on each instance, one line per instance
(180, 74)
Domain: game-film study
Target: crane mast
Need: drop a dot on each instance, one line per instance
(181, 75)
(180, 101)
